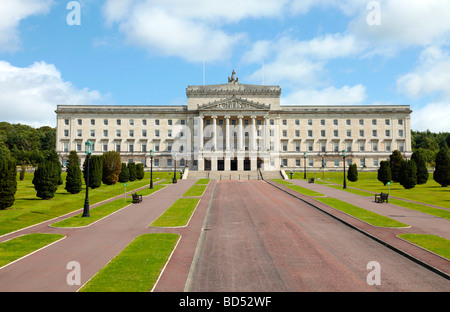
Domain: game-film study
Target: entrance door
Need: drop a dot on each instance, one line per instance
(207, 165)
(220, 165)
(247, 164)
(233, 165)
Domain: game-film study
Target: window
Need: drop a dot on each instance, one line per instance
(117, 147)
(309, 122)
(66, 122)
(297, 122)
(156, 122)
(183, 122)
(349, 133)
(361, 146)
(157, 147)
(105, 147)
(157, 133)
(322, 133)
(285, 163)
(144, 133)
(105, 133)
(297, 162)
(400, 133)
(80, 122)
(92, 122)
(144, 122)
(118, 122)
(78, 147)
(362, 162)
(105, 122)
(144, 147)
(65, 147)
(401, 146)
(169, 133)
(310, 133)
(375, 146)
(169, 122)
(131, 147)
(156, 162)
(388, 133)
(284, 122)
(387, 122)
(169, 146)
(284, 145)
(169, 162)
(118, 133)
(335, 133)
(66, 133)
(349, 147)
(310, 162)
(336, 162)
(79, 133)
(322, 122)
(361, 122)
(348, 122)
(336, 146)
(374, 133)
(297, 146)
(375, 162)
(272, 122)
(131, 132)
(285, 133)
(400, 122)
(310, 146)
(361, 133)
(388, 146)
(374, 122)
(297, 133)
(323, 146)
(335, 122)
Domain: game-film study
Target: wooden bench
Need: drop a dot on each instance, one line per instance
(136, 198)
(383, 197)
(311, 180)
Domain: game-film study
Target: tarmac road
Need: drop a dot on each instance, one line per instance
(258, 238)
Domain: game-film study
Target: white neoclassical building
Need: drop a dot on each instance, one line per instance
(238, 127)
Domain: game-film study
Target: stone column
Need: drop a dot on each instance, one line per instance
(228, 150)
(200, 161)
(266, 146)
(214, 149)
(240, 152)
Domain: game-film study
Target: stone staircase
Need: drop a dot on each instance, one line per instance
(234, 175)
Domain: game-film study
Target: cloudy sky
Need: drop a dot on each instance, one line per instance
(145, 52)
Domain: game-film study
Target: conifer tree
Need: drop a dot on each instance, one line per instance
(74, 184)
(139, 171)
(132, 171)
(124, 174)
(95, 171)
(396, 159)
(408, 174)
(422, 171)
(352, 174)
(46, 179)
(112, 165)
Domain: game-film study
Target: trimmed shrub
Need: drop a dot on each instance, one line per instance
(46, 179)
(95, 171)
(132, 171)
(8, 182)
(384, 172)
(352, 174)
(396, 159)
(422, 171)
(139, 171)
(112, 166)
(74, 184)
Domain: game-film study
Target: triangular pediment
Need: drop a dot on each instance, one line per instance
(234, 103)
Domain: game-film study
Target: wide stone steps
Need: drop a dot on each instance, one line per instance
(234, 175)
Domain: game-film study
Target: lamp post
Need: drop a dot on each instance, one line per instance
(304, 171)
(152, 154)
(89, 147)
(344, 154)
(175, 168)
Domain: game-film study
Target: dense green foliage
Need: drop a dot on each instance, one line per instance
(112, 165)
(352, 174)
(132, 171)
(139, 171)
(73, 179)
(442, 170)
(428, 143)
(46, 179)
(8, 182)
(26, 144)
(384, 172)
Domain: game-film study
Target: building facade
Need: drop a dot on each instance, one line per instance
(234, 127)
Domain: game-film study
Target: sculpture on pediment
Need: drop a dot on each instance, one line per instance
(233, 78)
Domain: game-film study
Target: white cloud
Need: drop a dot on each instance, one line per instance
(433, 116)
(30, 95)
(192, 30)
(11, 13)
(327, 96)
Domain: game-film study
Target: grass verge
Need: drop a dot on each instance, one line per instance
(178, 214)
(196, 190)
(21, 246)
(202, 181)
(362, 214)
(137, 267)
(298, 188)
(433, 243)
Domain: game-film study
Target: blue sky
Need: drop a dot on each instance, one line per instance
(145, 52)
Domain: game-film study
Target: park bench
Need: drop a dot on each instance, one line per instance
(382, 197)
(311, 180)
(136, 198)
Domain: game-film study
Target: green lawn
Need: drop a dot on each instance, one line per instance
(137, 267)
(360, 213)
(29, 209)
(23, 245)
(202, 181)
(433, 243)
(178, 214)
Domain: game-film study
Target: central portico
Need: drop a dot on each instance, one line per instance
(232, 126)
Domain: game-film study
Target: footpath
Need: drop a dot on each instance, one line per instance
(419, 223)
